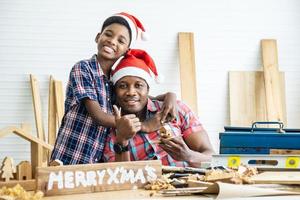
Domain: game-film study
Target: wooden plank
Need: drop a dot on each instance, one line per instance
(247, 97)
(32, 139)
(37, 107)
(26, 127)
(35, 143)
(275, 107)
(52, 120)
(41, 155)
(6, 131)
(28, 185)
(285, 151)
(277, 177)
(72, 179)
(20, 132)
(59, 100)
(188, 70)
(34, 157)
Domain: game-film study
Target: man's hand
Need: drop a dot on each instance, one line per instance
(169, 108)
(127, 125)
(176, 148)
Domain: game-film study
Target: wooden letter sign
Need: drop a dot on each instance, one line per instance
(72, 179)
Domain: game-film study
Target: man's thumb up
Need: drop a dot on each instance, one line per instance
(117, 112)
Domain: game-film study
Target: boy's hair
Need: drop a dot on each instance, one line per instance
(117, 20)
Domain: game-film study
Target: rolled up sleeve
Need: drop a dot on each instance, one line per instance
(82, 83)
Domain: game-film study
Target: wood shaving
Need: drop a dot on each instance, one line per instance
(218, 175)
(18, 193)
(240, 176)
(159, 184)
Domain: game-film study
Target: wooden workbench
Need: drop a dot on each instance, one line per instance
(122, 194)
(143, 194)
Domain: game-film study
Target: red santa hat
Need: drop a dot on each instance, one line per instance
(135, 62)
(137, 29)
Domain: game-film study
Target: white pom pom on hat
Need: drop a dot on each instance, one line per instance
(137, 29)
(136, 62)
(159, 79)
(145, 36)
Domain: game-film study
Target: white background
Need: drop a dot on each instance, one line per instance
(47, 37)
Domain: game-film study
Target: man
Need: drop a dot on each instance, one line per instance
(189, 145)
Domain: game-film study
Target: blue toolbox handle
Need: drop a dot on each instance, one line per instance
(280, 130)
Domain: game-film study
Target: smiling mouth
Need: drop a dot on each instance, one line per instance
(131, 102)
(108, 49)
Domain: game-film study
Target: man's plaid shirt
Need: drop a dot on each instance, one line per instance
(143, 146)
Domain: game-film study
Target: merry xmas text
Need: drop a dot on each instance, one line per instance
(118, 175)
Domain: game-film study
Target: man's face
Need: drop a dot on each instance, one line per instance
(132, 94)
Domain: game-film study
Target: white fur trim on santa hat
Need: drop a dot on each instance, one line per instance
(132, 71)
(116, 63)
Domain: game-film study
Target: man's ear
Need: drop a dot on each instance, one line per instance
(97, 37)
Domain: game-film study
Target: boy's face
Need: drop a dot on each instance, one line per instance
(131, 94)
(113, 42)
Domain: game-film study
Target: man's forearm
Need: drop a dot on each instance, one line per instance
(198, 158)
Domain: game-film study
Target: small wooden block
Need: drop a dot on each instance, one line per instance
(24, 171)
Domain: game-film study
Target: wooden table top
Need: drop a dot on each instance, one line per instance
(122, 194)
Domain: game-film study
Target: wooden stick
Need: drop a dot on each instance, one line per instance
(59, 100)
(52, 120)
(40, 157)
(32, 139)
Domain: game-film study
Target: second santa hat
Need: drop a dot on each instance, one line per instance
(136, 62)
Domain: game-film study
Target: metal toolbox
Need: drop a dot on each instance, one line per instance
(255, 140)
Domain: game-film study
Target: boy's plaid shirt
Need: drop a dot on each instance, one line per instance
(80, 140)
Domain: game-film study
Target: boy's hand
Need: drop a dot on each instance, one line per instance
(153, 123)
(169, 108)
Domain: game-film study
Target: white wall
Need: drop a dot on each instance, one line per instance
(48, 37)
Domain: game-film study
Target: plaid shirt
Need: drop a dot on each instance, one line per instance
(142, 145)
(80, 140)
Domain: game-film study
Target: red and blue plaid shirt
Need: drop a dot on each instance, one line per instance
(80, 140)
(143, 146)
